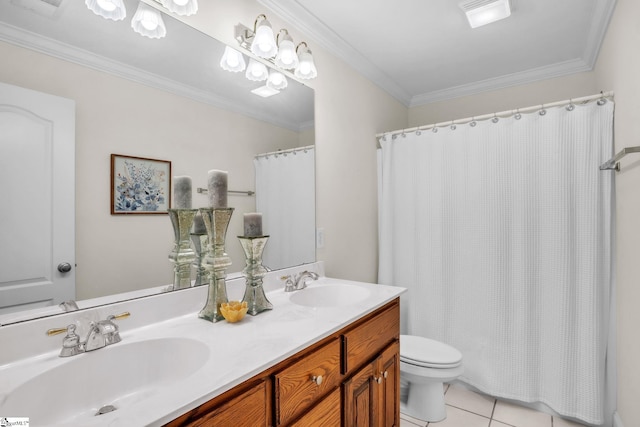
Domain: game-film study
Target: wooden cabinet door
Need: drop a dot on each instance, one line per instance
(360, 398)
(389, 389)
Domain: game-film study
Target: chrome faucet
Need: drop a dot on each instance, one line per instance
(101, 334)
(300, 281)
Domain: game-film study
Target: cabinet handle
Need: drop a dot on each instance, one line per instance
(317, 379)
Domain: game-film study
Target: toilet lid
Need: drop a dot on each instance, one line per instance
(426, 352)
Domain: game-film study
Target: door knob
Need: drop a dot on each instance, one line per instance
(64, 267)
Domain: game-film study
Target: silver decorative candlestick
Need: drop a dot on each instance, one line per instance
(200, 243)
(216, 261)
(182, 254)
(254, 272)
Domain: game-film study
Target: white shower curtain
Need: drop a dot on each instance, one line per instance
(502, 234)
(285, 194)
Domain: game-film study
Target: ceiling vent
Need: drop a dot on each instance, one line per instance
(49, 8)
(483, 12)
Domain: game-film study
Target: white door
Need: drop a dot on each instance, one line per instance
(37, 209)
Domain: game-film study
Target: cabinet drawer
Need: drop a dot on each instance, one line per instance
(367, 339)
(295, 388)
(327, 413)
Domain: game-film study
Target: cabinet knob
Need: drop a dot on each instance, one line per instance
(317, 379)
(385, 374)
(378, 380)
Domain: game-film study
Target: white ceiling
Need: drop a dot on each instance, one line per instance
(422, 51)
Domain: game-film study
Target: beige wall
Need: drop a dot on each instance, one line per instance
(119, 253)
(618, 69)
(349, 111)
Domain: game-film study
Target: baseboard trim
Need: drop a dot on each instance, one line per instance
(617, 421)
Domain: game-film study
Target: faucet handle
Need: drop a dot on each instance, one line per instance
(289, 286)
(110, 330)
(71, 344)
(119, 316)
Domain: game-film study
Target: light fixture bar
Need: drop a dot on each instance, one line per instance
(483, 12)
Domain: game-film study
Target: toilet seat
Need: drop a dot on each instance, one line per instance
(428, 353)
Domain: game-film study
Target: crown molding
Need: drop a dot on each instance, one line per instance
(48, 46)
(293, 12)
(515, 79)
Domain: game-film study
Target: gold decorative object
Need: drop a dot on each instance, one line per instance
(234, 311)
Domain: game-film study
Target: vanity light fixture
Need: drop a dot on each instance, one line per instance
(181, 7)
(256, 71)
(264, 43)
(108, 9)
(306, 69)
(277, 80)
(287, 58)
(148, 22)
(232, 60)
(482, 12)
(281, 53)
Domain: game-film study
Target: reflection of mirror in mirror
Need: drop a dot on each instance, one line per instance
(153, 99)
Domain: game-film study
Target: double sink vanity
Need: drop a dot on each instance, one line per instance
(328, 352)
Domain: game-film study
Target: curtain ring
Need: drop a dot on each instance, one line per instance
(602, 99)
(434, 129)
(570, 107)
(542, 112)
(473, 122)
(453, 125)
(495, 118)
(404, 135)
(518, 116)
(418, 132)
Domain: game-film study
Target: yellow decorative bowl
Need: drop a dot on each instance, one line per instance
(234, 311)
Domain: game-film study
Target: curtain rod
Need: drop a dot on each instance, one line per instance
(502, 114)
(290, 150)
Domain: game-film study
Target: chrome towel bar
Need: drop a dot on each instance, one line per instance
(613, 163)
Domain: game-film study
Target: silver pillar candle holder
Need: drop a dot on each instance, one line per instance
(200, 243)
(254, 271)
(182, 254)
(216, 261)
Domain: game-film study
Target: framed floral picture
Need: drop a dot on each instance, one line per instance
(140, 185)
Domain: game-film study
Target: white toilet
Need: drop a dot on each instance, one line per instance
(426, 364)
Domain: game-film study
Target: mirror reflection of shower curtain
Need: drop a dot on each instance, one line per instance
(502, 232)
(285, 195)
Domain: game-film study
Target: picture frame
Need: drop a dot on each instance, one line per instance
(140, 185)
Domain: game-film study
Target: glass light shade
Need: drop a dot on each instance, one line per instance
(232, 60)
(148, 22)
(181, 7)
(287, 58)
(306, 69)
(487, 13)
(108, 9)
(256, 71)
(277, 80)
(264, 43)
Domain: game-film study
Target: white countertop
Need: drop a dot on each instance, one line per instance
(234, 352)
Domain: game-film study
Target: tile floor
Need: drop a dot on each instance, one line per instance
(468, 409)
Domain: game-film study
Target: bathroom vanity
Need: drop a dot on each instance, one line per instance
(329, 352)
(361, 360)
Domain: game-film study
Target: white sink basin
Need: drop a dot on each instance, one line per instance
(329, 295)
(119, 375)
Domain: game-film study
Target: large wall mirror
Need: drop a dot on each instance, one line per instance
(164, 99)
